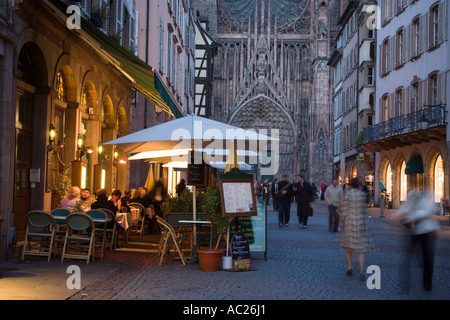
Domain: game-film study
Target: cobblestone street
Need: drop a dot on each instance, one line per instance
(301, 264)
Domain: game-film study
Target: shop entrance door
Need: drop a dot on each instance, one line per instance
(22, 162)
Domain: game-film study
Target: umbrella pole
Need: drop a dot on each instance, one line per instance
(194, 206)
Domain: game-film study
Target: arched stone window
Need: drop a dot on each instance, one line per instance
(60, 86)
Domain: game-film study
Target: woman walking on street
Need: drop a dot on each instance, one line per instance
(355, 234)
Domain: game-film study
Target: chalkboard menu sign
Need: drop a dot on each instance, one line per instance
(240, 252)
(196, 170)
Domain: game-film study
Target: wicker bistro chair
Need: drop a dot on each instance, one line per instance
(40, 225)
(111, 229)
(80, 230)
(168, 237)
(60, 232)
(139, 225)
(100, 229)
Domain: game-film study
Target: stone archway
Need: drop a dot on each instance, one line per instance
(262, 113)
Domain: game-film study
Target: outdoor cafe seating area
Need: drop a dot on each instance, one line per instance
(65, 235)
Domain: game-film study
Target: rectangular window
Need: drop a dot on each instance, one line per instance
(434, 98)
(370, 76)
(434, 27)
(416, 39)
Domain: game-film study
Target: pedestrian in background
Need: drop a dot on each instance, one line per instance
(356, 237)
(304, 197)
(416, 214)
(274, 190)
(284, 201)
(333, 196)
(265, 190)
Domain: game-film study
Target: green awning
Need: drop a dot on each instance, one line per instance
(140, 74)
(414, 166)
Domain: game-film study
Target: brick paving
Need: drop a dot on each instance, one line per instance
(301, 264)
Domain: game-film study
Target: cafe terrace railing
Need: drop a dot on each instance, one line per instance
(432, 116)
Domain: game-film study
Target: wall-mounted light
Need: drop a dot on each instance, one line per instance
(51, 137)
(116, 154)
(80, 146)
(80, 141)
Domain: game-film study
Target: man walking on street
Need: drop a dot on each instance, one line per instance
(284, 202)
(304, 197)
(333, 195)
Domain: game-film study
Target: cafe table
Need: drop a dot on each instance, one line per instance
(196, 222)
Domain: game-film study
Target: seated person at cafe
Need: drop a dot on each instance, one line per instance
(127, 196)
(117, 200)
(136, 196)
(86, 199)
(103, 202)
(70, 201)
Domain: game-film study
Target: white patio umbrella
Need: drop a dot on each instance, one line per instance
(190, 132)
(183, 133)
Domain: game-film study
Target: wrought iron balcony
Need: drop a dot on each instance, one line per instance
(417, 127)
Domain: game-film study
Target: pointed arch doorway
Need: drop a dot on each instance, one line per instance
(263, 113)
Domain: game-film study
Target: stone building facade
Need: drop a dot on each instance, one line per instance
(271, 72)
(63, 94)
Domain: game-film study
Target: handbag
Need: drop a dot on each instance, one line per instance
(311, 210)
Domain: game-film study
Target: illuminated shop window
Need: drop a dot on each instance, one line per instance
(438, 179)
(389, 179)
(403, 182)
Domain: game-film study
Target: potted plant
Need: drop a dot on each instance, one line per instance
(61, 187)
(210, 259)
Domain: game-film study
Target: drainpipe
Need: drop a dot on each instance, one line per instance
(146, 58)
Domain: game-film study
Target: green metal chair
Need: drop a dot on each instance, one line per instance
(138, 226)
(168, 237)
(100, 229)
(40, 229)
(111, 230)
(80, 230)
(60, 227)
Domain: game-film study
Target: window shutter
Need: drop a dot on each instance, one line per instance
(441, 22)
(408, 101)
(395, 51)
(391, 53)
(391, 106)
(421, 26)
(439, 87)
(422, 94)
(428, 25)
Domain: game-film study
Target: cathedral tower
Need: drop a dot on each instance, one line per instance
(271, 72)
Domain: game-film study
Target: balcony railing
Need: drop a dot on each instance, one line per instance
(435, 116)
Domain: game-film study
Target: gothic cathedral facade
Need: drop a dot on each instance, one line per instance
(270, 72)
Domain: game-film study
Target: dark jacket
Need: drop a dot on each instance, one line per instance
(142, 201)
(103, 202)
(304, 195)
(274, 194)
(285, 185)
